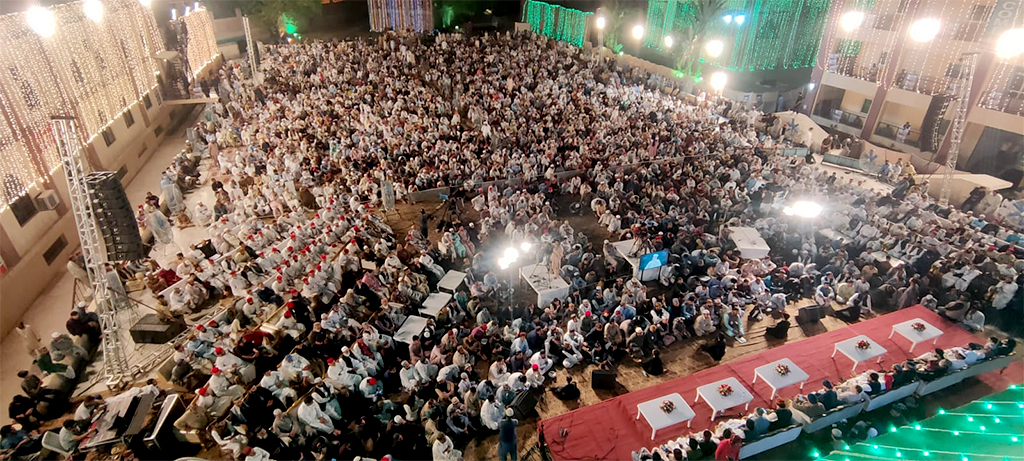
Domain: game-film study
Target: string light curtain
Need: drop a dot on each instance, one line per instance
(402, 15)
(931, 67)
(87, 69)
(202, 42)
(773, 33)
(560, 23)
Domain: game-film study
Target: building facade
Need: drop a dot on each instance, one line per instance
(890, 72)
(102, 69)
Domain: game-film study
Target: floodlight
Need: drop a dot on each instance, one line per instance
(638, 31)
(93, 10)
(851, 20)
(1010, 44)
(600, 22)
(669, 41)
(803, 209)
(924, 30)
(718, 80)
(714, 48)
(41, 21)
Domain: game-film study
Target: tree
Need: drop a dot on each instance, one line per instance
(698, 17)
(277, 15)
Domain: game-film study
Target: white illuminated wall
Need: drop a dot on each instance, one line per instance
(87, 69)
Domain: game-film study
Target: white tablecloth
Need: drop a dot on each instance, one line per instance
(626, 249)
(658, 419)
(849, 349)
(434, 302)
(412, 326)
(749, 242)
(548, 288)
(451, 281)
(718, 403)
(906, 329)
(777, 381)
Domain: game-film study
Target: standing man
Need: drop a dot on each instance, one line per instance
(507, 447)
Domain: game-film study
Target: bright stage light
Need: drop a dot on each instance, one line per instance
(803, 209)
(511, 254)
(638, 31)
(727, 18)
(851, 20)
(740, 19)
(924, 30)
(718, 80)
(525, 246)
(93, 10)
(174, 14)
(714, 48)
(41, 21)
(503, 263)
(600, 22)
(669, 41)
(1010, 44)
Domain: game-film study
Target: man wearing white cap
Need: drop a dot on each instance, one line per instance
(311, 415)
(507, 446)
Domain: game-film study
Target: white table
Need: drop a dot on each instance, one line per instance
(548, 288)
(434, 302)
(906, 329)
(412, 326)
(451, 281)
(749, 242)
(849, 349)
(658, 419)
(626, 248)
(718, 403)
(777, 381)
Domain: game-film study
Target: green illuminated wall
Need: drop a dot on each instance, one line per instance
(557, 22)
(777, 34)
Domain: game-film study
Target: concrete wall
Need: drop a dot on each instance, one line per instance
(28, 272)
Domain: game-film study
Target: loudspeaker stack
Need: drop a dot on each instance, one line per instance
(114, 217)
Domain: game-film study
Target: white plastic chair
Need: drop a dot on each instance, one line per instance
(51, 441)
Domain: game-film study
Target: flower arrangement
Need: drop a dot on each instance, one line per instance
(667, 406)
(918, 327)
(725, 390)
(863, 345)
(782, 369)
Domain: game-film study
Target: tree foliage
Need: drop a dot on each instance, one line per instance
(273, 14)
(697, 20)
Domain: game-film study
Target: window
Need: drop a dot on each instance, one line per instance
(129, 119)
(148, 102)
(158, 131)
(866, 106)
(108, 136)
(159, 99)
(980, 12)
(51, 254)
(28, 94)
(902, 8)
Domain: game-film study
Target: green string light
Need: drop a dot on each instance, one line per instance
(927, 453)
(554, 21)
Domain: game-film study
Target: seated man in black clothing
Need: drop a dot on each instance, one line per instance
(854, 307)
(653, 365)
(783, 416)
(716, 348)
(567, 392)
(779, 330)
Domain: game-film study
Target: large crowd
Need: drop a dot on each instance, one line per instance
(300, 361)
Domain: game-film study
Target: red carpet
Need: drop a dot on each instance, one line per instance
(610, 430)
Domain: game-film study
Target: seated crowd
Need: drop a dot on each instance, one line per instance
(301, 359)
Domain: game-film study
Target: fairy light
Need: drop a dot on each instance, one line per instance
(557, 22)
(417, 15)
(87, 59)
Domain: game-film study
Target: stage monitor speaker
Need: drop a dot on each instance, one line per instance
(151, 330)
(114, 217)
(810, 314)
(601, 379)
(524, 404)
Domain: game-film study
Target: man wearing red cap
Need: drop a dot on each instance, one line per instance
(371, 388)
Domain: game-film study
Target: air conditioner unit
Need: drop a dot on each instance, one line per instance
(47, 200)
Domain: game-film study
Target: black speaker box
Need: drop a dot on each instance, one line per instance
(114, 217)
(524, 404)
(601, 379)
(150, 330)
(810, 314)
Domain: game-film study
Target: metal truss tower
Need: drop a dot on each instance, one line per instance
(108, 301)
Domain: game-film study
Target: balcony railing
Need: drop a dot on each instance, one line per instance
(889, 131)
(999, 101)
